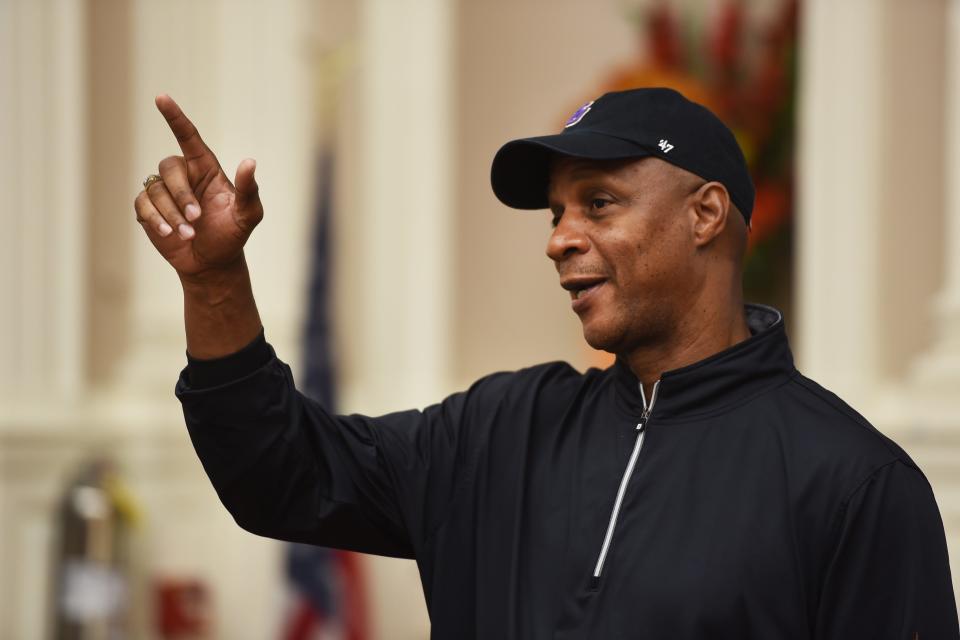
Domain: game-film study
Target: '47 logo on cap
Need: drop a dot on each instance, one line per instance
(578, 114)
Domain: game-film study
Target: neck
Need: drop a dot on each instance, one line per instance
(699, 335)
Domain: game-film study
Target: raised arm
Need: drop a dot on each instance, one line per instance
(199, 222)
(284, 465)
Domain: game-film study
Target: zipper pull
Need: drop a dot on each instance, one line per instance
(647, 406)
(643, 422)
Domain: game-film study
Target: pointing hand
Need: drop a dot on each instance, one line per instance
(196, 218)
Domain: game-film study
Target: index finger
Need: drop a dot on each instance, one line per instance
(195, 150)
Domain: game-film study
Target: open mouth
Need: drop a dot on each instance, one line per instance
(581, 288)
(576, 294)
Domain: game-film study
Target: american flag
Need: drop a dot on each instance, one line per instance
(329, 593)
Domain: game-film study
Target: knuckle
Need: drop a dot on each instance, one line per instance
(143, 204)
(188, 133)
(168, 163)
(184, 196)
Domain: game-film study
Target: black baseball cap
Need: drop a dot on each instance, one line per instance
(637, 123)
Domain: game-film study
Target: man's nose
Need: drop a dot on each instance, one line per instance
(568, 238)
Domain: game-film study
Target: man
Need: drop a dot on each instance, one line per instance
(699, 488)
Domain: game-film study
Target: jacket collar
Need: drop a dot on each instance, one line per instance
(724, 379)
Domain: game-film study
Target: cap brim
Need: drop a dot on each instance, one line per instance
(520, 173)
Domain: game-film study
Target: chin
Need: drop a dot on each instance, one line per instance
(602, 338)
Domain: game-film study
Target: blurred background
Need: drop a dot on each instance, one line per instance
(386, 272)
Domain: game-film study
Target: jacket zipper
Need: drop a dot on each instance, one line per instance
(625, 480)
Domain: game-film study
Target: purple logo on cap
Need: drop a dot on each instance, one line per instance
(578, 114)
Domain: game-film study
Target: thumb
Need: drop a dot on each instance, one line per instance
(248, 192)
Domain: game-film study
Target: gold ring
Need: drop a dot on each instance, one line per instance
(150, 180)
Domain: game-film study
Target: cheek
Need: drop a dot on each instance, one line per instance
(652, 265)
(661, 258)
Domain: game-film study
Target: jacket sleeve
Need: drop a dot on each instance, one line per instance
(889, 576)
(286, 468)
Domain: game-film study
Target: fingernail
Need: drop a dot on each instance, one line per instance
(164, 229)
(186, 231)
(192, 211)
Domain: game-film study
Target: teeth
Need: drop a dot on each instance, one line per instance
(579, 292)
(576, 294)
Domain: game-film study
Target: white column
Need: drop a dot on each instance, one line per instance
(240, 70)
(42, 179)
(840, 138)
(42, 237)
(400, 264)
(937, 372)
(406, 208)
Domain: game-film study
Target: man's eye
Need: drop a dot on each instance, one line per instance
(599, 203)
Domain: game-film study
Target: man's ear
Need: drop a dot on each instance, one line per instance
(711, 206)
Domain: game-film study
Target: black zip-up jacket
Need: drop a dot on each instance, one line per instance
(759, 504)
